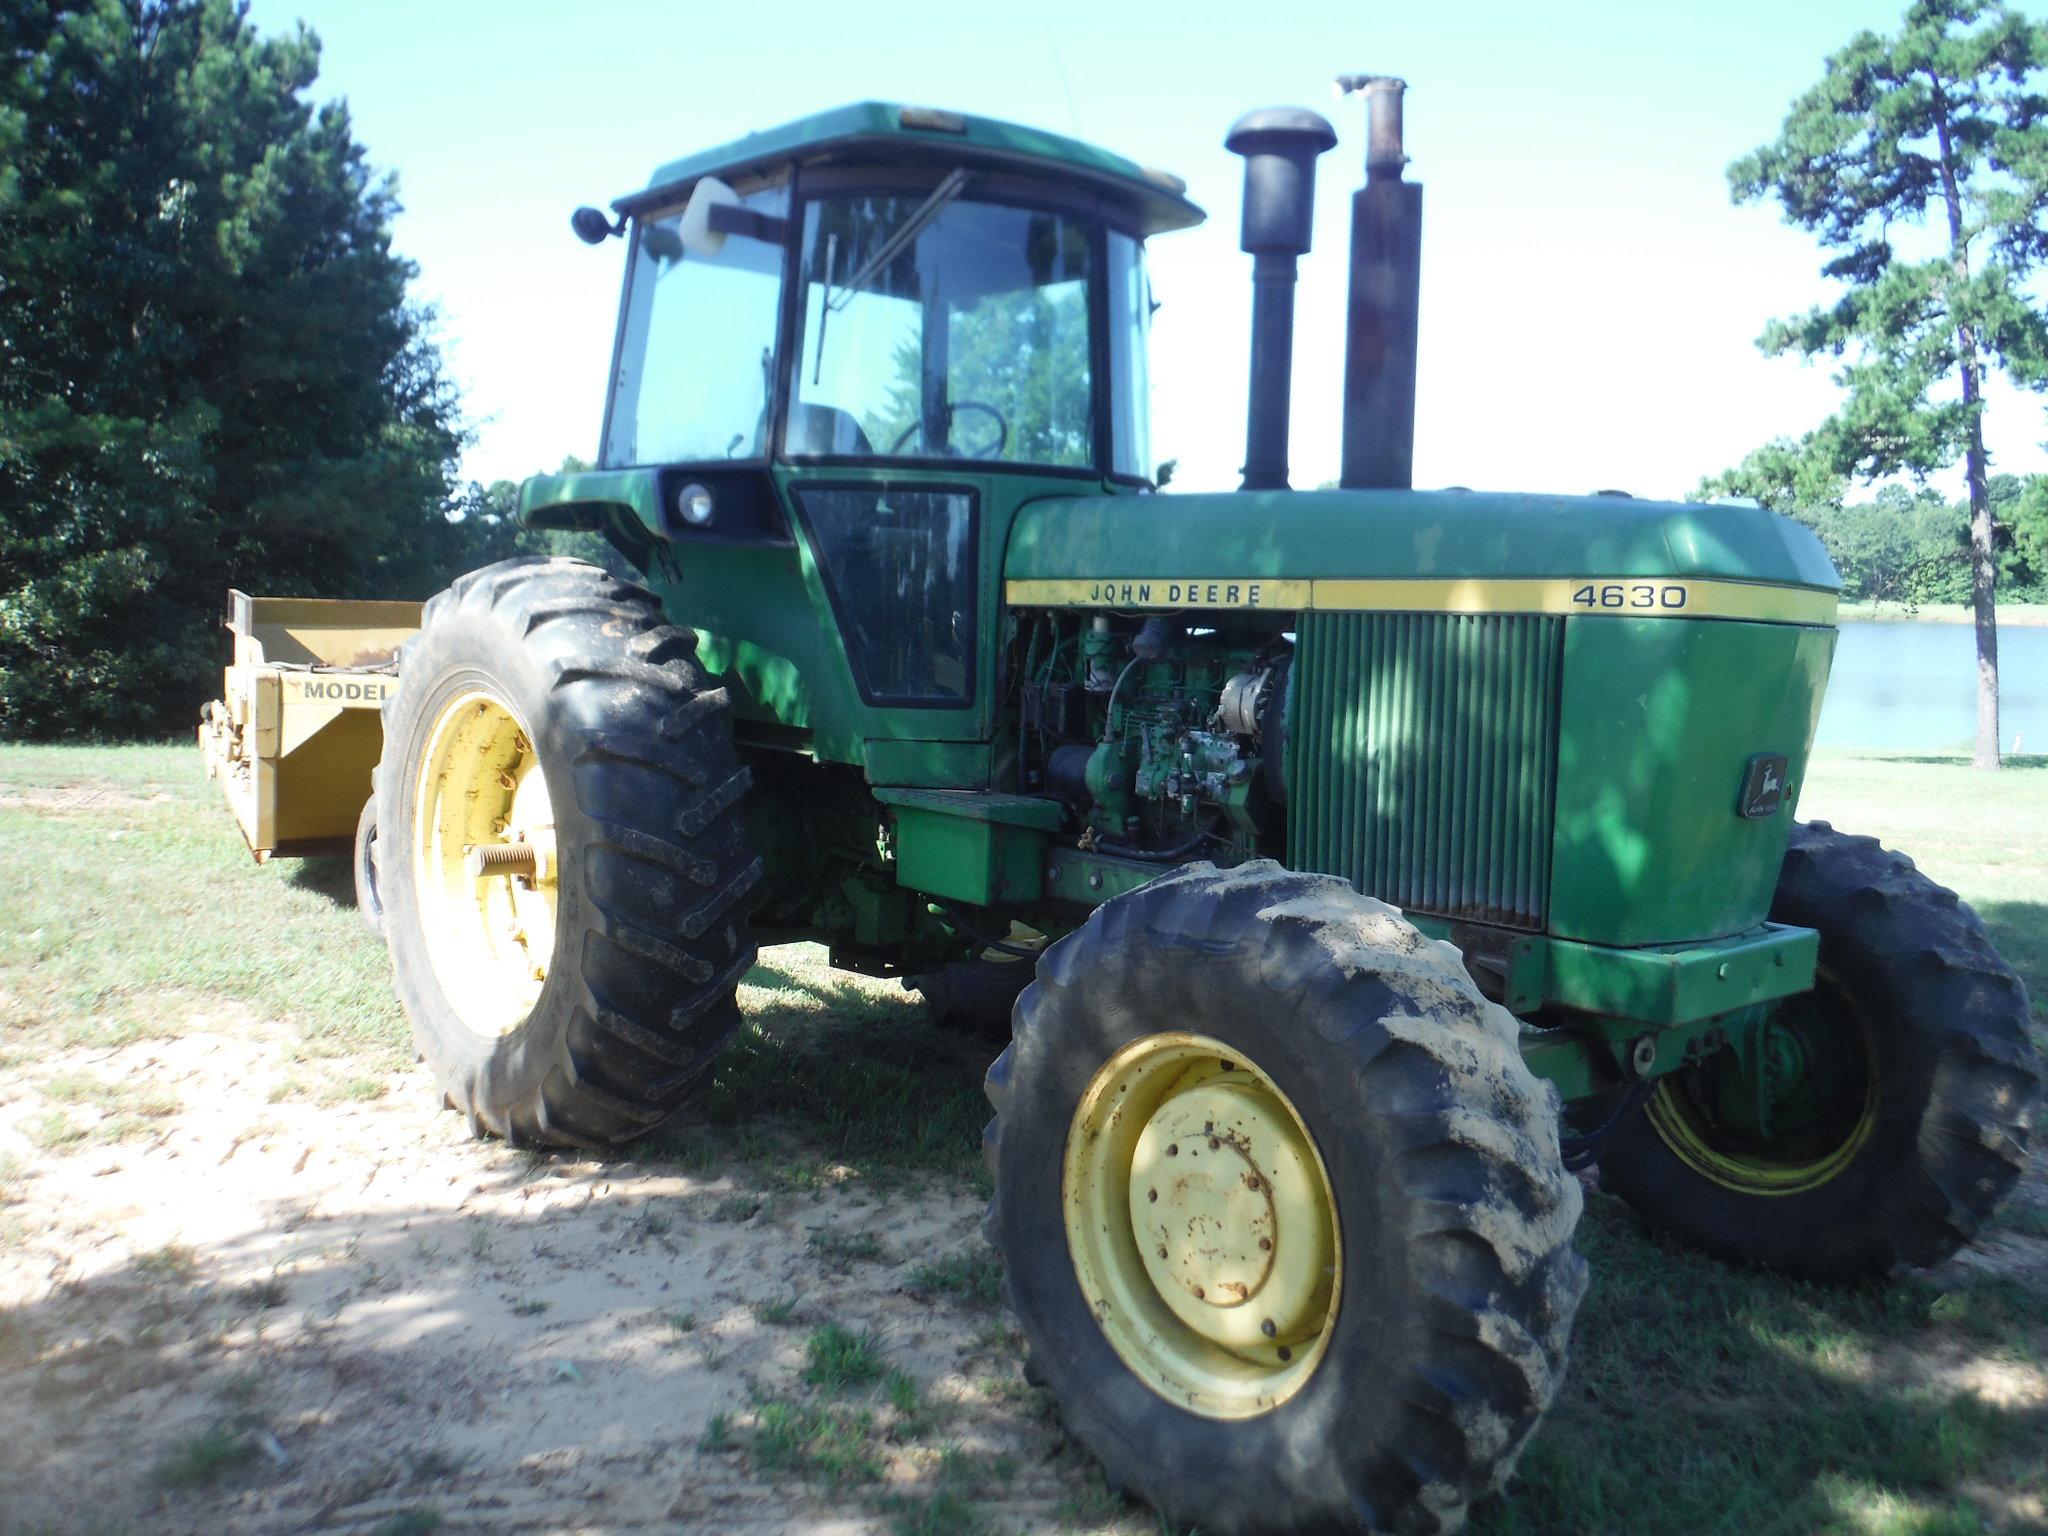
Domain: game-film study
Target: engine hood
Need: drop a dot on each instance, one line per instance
(1462, 550)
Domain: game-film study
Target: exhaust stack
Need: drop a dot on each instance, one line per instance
(1386, 281)
(1279, 145)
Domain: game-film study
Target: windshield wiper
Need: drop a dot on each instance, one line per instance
(944, 193)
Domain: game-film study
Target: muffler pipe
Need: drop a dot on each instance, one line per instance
(1279, 145)
(1386, 284)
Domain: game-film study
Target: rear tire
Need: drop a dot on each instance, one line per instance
(1939, 1132)
(631, 744)
(369, 903)
(1442, 1337)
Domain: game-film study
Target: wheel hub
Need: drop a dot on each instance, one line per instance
(1206, 1214)
(484, 863)
(1201, 1225)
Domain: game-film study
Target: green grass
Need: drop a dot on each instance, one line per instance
(823, 1442)
(974, 1275)
(839, 1248)
(836, 1358)
(133, 907)
(834, 1077)
(205, 1458)
(1984, 834)
(1707, 1399)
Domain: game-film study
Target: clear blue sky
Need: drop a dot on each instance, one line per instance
(1590, 296)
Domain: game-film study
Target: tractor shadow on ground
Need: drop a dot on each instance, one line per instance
(332, 876)
(418, 1357)
(422, 1359)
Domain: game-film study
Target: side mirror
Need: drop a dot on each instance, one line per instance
(591, 226)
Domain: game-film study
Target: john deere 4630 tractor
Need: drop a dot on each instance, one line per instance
(1373, 856)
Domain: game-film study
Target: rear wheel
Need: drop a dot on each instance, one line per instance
(1873, 1123)
(369, 903)
(559, 857)
(1281, 1209)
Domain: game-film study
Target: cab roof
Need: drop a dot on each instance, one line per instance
(886, 133)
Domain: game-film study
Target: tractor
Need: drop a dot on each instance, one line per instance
(1349, 866)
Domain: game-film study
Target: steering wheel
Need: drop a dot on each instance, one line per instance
(988, 450)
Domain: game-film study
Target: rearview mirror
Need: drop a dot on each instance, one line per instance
(699, 236)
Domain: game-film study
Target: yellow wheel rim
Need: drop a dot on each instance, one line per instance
(1201, 1225)
(483, 800)
(1689, 1131)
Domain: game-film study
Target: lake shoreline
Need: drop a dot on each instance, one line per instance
(2010, 615)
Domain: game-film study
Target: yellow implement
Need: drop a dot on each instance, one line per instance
(297, 730)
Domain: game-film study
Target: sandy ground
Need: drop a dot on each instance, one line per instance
(401, 1320)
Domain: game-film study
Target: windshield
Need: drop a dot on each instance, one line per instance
(933, 326)
(697, 342)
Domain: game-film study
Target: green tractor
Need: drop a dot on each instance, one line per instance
(1360, 862)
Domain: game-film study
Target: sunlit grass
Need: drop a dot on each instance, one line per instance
(132, 906)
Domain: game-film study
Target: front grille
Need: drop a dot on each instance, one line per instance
(1423, 758)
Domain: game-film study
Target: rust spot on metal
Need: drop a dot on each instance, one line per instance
(1214, 1144)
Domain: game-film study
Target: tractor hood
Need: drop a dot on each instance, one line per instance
(1460, 550)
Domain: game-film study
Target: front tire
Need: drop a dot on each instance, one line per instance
(1894, 1112)
(1281, 1209)
(546, 709)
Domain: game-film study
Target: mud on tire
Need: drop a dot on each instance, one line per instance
(1956, 1074)
(651, 933)
(1458, 1282)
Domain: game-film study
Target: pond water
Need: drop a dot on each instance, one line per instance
(1912, 685)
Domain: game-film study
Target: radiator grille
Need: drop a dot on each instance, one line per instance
(1423, 758)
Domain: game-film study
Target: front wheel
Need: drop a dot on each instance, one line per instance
(558, 854)
(1281, 1210)
(1868, 1126)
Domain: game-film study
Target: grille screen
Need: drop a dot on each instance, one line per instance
(1423, 758)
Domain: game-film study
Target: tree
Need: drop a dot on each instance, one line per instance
(210, 374)
(1939, 119)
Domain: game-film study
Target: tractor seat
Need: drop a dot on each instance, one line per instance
(825, 429)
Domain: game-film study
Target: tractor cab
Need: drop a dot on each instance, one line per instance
(901, 312)
(862, 342)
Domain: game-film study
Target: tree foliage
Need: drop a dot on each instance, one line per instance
(1939, 122)
(210, 373)
(1906, 544)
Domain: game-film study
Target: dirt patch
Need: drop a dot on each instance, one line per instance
(76, 799)
(254, 1313)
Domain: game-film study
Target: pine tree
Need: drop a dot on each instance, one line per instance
(1938, 126)
(210, 373)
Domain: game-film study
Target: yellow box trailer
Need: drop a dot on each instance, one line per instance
(296, 732)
